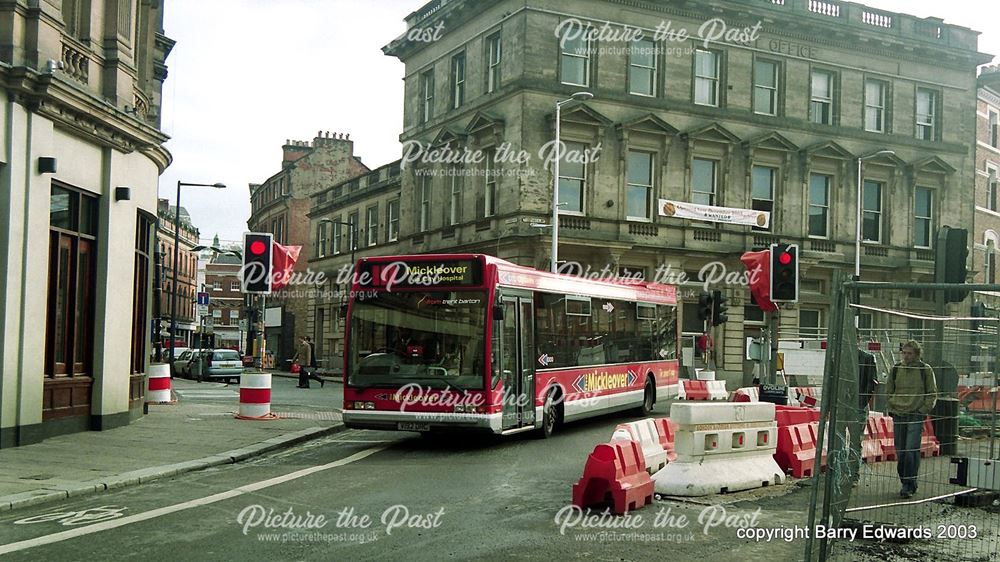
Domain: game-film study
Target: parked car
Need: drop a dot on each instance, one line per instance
(220, 364)
(182, 362)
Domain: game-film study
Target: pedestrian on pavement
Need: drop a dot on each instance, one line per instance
(304, 357)
(912, 394)
(867, 383)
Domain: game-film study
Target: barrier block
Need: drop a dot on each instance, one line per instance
(887, 437)
(871, 445)
(645, 433)
(614, 476)
(929, 444)
(667, 429)
(721, 447)
(795, 415)
(747, 394)
(717, 390)
(694, 390)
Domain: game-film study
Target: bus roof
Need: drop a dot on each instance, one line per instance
(507, 274)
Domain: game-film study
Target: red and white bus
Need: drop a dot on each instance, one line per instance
(476, 342)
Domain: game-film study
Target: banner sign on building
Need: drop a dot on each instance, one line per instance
(709, 213)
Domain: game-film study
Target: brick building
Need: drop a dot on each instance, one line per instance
(280, 206)
(187, 270)
(222, 283)
(774, 120)
(986, 234)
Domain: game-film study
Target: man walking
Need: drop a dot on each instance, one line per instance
(912, 394)
(307, 361)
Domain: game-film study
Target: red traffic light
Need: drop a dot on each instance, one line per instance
(257, 247)
(785, 258)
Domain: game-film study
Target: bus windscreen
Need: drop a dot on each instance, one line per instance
(434, 339)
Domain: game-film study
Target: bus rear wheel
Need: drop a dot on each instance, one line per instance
(551, 415)
(648, 399)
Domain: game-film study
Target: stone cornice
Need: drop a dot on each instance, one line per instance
(77, 110)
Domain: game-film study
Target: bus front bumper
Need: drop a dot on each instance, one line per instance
(421, 421)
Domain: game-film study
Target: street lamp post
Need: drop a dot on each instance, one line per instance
(177, 247)
(578, 96)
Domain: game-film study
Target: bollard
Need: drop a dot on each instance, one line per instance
(158, 384)
(255, 397)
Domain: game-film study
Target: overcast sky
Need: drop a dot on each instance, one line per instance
(247, 74)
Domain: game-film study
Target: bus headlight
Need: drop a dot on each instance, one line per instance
(363, 405)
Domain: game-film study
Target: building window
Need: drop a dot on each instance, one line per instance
(819, 205)
(994, 129)
(216, 285)
(871, 222)
(493, 55)
(706, 77)
(427, 87)
(991, 262)
(454, 212)
(762, 190)
(216, 313)
(765, 87)
(352, 232)
(821, 101)
(144, 226)
(72, 263)
(424, 203)
(392, 221)
(574, 59)
(457, 80)
(875, 106)
(337, 236)
(572, 178)
(703, 179)
(922, 209)
(640, 185)
(321, 239)
(810, 323)
(371, 225)
(991, 189)
(234, 286)
(642, 68)
(486, 203)
(926, 114)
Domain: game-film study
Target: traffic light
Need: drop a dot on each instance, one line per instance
(704, 306)
(719, 308)
(978, 311)
(952, 254)
(784, 273)
(255, 275)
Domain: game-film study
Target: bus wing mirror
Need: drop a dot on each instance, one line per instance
(497, 312)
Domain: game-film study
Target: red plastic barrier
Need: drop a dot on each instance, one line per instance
(887, 437)
(666, 429)
(615, 473)
(794, 415)
(929, 444)
(796, 452)
(871, 445)
(696, 390)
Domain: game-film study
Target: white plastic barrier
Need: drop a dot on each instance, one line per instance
(644, 433)
(721, 448)
(255, 396)
(717, 390)
(158, 384)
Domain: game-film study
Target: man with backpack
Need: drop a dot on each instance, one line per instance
(912, 395)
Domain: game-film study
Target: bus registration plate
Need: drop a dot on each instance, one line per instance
(412, 426)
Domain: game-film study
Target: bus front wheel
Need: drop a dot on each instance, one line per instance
(551, 414)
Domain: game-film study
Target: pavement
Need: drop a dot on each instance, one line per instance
(197, 432)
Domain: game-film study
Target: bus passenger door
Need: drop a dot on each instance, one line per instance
(517, 363)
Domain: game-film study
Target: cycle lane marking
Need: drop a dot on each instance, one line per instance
(199, 502)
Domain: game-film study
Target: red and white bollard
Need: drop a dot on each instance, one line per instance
(158, 384)
(255, 397)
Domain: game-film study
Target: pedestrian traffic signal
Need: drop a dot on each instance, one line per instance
(704, 306)
(719, 308)
(255, 275)
(784, 273)
(952, 255)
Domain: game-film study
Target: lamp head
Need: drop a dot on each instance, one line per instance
(219, 185)
(580, 96)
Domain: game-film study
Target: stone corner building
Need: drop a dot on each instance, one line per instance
(80, 157)
(986, 234)
(774, 122)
